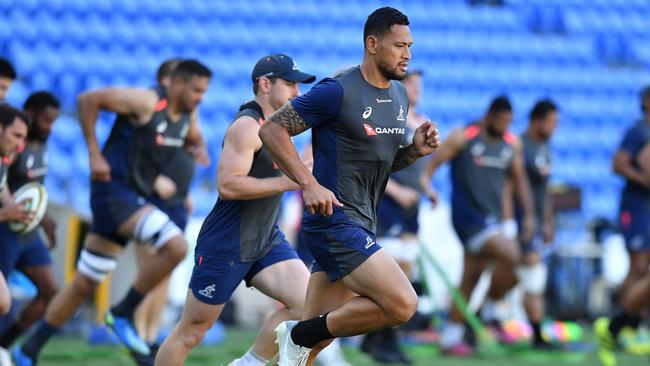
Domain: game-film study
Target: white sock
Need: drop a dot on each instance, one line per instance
(452, 334)
(251, 358)
(489, 310)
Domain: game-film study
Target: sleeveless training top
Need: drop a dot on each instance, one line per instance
(247, 222)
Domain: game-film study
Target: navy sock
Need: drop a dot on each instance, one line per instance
(309, 333)
(129, 303)
(33, 345)
(537, 332)
(621, 320)
(10, 335)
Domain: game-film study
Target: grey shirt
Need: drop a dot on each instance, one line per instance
(357, 130)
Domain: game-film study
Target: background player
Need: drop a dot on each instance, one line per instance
(146, 133)
(397, 222)
(632, 161)
(180, 170)
(240, 239)
(7, 77)
(355, 286)
(28, 253)
(14, 125)
(537, 160)
(482, 155)
(636, 298)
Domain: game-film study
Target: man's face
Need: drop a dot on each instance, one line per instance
(413, 85)
(12, 137)
(43, 121)
(5, 84)
(547, 125)
(393, 52)
(190, 91)
(281, 91)
(498, 123)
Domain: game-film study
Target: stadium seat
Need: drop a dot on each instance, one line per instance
(528, 49)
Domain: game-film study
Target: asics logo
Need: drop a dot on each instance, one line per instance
(366, 114)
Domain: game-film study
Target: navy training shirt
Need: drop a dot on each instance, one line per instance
(357, 129)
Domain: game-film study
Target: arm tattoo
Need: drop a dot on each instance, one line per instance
(405, 157)
(288, 118)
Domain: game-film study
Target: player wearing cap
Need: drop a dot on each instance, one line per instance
(240, 238)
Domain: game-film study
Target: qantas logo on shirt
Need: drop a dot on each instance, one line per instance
(379, 101)
(370, 131)
(162, 140)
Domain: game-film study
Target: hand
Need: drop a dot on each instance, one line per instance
(548, 233)
(288, 184)
(319, 199)
(164, 186)
(200, 154)
(49, 227)
(17, 212)
(426, 138)
(527, 229)
(432, 195)
(99, 169)
(407, 197)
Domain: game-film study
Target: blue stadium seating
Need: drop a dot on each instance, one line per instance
(591, 56)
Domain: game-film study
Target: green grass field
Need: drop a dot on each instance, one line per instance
(73, 351)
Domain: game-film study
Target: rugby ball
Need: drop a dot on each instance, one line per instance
(34, 197)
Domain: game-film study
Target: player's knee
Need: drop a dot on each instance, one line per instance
(403, 308)
(5, 305)
(512, 258)
(82, 285)
(175, 249)
(47, 292)
(296, 309)
(193, 335)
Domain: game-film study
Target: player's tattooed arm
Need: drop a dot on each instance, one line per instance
(406, 156)
(289, 118)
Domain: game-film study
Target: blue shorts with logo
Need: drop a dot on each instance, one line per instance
(21, 251)
(338, 247)
(393, 220)
(216, 276)
(473, 227)
(635, 225)
(112, 203)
